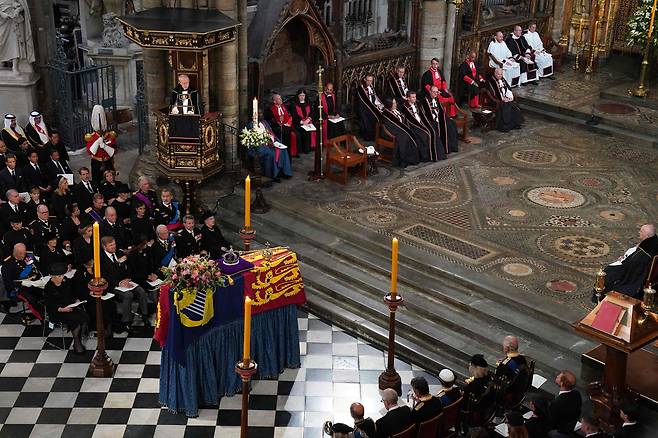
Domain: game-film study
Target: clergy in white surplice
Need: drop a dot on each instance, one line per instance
(500, 56)
(543, 59)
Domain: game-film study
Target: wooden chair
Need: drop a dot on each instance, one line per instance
(409, 432)
(511, 393)
(449, 422)
(461, 119)
(384, 143)
(343, 152)
(488, 70)
(555, 50)
(430, 428)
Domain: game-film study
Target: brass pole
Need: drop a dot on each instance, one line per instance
(641, 90)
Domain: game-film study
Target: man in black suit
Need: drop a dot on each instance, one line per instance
(163, 250)
(110, 227)
(55, 143)
(397, 419)
(34, 175)
(590, 427)
(115, 270)
(84, 191)
(43, 227)
(630, 428)
(54, 166)
(10, 176)
(564, 412)
(187, 240)
(426, 406)
(13, 207)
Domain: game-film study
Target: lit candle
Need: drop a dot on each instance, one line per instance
(247, 332)
(255, 112)
(97, 251)
(394, 268)
(247, 203)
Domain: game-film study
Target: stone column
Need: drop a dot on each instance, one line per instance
(155, 63)
(432, 32)
(243, 62)
(450, 40)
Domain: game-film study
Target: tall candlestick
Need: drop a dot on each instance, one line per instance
(247, 202)
(97, 251)
(394, 268)
(247, 331)
(653, 15)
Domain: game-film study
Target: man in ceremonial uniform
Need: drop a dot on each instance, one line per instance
(11, 177)
(521, 52)
(42, 227)
(470, 80)
(449, 393)
(398, 85)
(426, 406)
(280, 120)
(512, 373)
(212, 240)
(434, 77)
(420, 127)
(36, 130)
(332, 126)
(370, 107)
(12, 134)
(14, 207)
(543, 59)
(501, 56)
(110, 227)
(19, 267)
(145, 194)
(187, 240)
(101, 144)
(167, 212)
(163, 250)
(184, 100)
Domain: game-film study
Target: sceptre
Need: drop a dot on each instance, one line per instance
(318, 172)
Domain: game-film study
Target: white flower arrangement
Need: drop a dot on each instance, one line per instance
(254, 137)
(638, 25)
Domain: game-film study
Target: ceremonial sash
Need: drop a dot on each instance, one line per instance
(170, 255)
(175, 223)
(95, 216)
(302, 113)
(25, 273)
(142, 197)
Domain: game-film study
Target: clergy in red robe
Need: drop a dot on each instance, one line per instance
(434, 76)
(280, 120)
(398, 85)
(470, 80)
(333, 124)
(369, 107)
(406, 149)
(303, 122)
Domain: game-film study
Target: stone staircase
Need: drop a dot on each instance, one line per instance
(450, 311)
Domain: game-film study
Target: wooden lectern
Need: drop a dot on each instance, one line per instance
(623, 325)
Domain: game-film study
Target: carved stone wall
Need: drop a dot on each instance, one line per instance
(432, 37)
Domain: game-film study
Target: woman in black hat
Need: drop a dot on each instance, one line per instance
(59, 296)
(140, 221)
(70, 224)
(212, 240)
(52, 254)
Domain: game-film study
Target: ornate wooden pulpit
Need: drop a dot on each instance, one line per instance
(189, 146)
(623, 325)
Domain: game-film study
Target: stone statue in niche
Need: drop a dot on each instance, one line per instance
(16, 43)
(112, 33)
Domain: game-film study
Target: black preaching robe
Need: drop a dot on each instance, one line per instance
(300, 111)
(176, 98)
(518, 47)
(406, 149)
(398, 87)
(369, 114)
(420, 129)
(330, 108)
(628, 278)
(437, 119)
(508, 114)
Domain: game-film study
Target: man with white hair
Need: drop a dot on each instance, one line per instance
(36, 130)
(501, 56)
(397, 417)
(627, 274)
(145, 194)
(184, 99)
(543, 59)
(12, 208)
(522, 53)
(163, 250)
(109, 226)
(12, 134)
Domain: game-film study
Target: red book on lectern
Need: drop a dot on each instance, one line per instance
(607, 317)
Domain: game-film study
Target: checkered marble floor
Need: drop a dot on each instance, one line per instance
(44, 391)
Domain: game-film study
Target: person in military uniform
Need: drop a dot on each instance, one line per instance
(212, 240)
(59, 295)
(145, 194)
(42, 227)
(163, 250)
(52, 253)
(140, 262)
(512, 373)
(19, 267)
(449, 393)
(479, 397)
(17, 234)
(110, 227)
(187, 239)
(426, 406)
(168, 211)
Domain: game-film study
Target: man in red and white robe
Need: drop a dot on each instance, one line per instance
(434, 77)
(280, 120)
